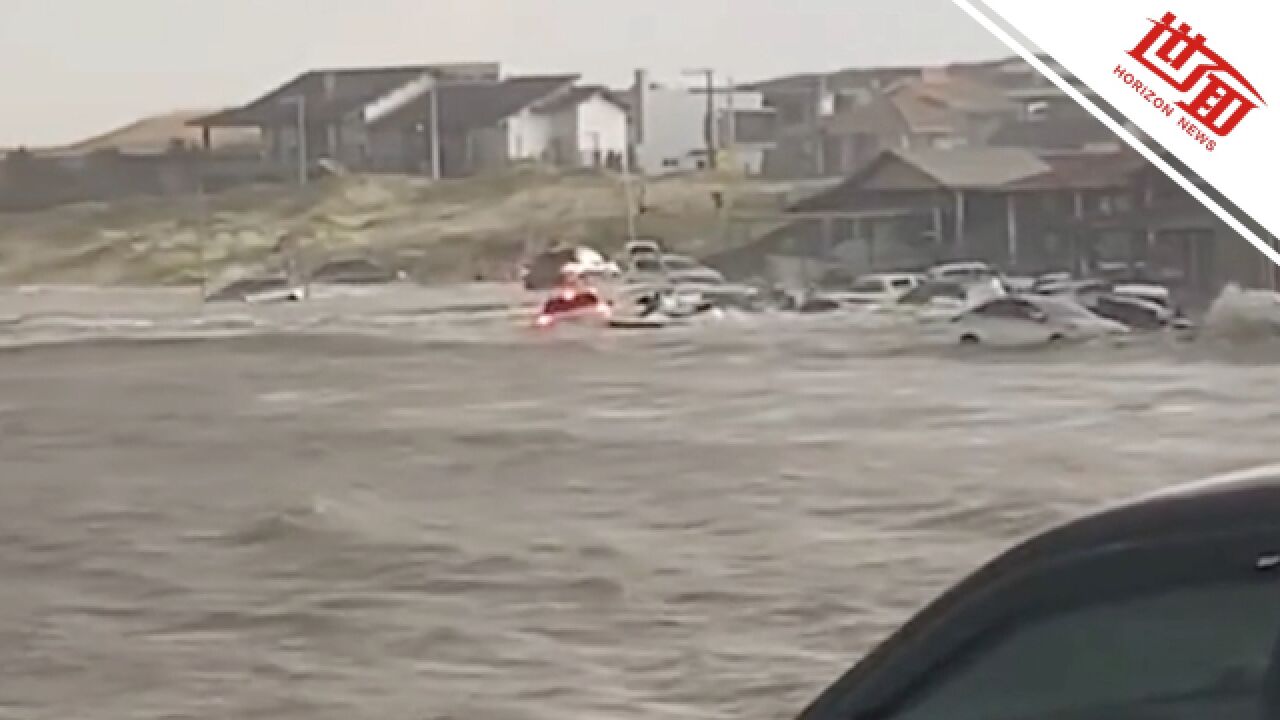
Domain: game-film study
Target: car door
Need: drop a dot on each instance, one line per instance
(1181, 628)
(1005, 321)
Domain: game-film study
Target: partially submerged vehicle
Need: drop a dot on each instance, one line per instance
(966, 272)
(933, 300)
(1017, 320)
(354, 271)
(573, 304)
(260, 290)
(1151, 292)
(1161, 608)
(641, 247)
(688, 277)
(1141, 306)
(682, 269)
(547, 269)
(1137, 313)
(658, 307)
(876, 289)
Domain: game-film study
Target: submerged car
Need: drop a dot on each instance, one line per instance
(966, 272)
(1165, 607)
(355, 271)
(547, 269)
(1139, 306)
(877, 289)
(1030, 319)
(260, 290)
(931, 301)
(1138, 313)
(573, 304)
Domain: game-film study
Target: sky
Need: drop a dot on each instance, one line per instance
(70, 69)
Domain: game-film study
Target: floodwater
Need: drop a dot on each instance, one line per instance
(380, 507)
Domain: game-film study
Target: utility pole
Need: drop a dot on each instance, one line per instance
(709, 121)
(300, 103)
(731, 126)
(202, 234)
(434, 111)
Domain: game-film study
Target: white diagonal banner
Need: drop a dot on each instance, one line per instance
(1198, 77)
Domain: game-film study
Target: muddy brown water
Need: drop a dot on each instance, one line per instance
(361, 509)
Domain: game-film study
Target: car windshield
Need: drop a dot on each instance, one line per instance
(1209, 644)
(962, 271)
(927, 292)
(1062, 309)
(680, 263)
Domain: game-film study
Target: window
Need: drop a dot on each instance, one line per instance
(923, 294)
(679, 263)
(1007, 308)
(868, 285)
(647, 264)
(836, 278)
(1200, 652)
(1062, 308)
(902, 283)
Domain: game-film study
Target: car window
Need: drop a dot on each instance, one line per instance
(1006, 308)
(868, 285)
(964, 272)
(647, 264)
(1063, 309)
(901, 283)
(679, 263)
(1206, 647)
(922, 294)
(836, 277)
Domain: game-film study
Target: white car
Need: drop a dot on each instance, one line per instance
(588, 263)
(1016, 320)
(547, 269)
(681, 269)
(966, 272)
(1157, 294)
(878, 289)
(931, 301)
(636, 248)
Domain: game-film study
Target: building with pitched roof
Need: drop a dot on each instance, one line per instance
(459, 119)
(1023, 211)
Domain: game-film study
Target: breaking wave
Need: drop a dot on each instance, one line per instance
(1243, 316)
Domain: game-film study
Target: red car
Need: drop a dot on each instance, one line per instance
(569, 304)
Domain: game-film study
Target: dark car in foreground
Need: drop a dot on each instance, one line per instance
(1164, 608)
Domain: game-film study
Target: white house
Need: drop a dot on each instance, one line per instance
(585, 127)
(669, 126)
(388, 119)
(537, 118)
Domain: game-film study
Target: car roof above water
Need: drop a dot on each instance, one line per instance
(959, 267)
(890, 276)
(1244, 499)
